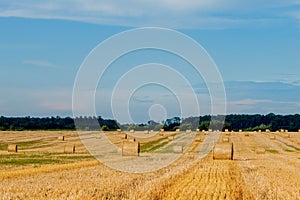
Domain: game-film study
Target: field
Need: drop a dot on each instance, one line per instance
(41, 170)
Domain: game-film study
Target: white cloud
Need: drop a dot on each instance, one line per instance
(166, 13)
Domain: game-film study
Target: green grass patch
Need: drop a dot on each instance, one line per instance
(288, 150)
(39, 159)
(3, 147)
(272, 151)
(149, 145)
(158, 146)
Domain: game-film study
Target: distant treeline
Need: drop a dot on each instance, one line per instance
(232, 122)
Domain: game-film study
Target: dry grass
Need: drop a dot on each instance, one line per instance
(248, 176)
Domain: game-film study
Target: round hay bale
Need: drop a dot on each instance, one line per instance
(61, 138)
(223, 151)
(282, 130)
(209, 130)
(240, 130)
(130, 148)
(286, 131)
(247, 134)
(286, 135)
(260, 150)
(162, 130)
(151, 131)
(69, 149)
(178, 149)
(226, 130)
(259, 131)
(199, 138)
(171, 138)
(177, 130)
(131, 131)
(12, 148)
(119, 130)
(198, 130)
(268, 130)
(225, 139)
(272, 137)
(131, 140)
(123, 136)
(205, 133)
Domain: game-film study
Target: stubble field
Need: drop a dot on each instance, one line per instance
(41, 170)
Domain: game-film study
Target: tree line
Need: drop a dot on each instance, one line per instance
(234, 122)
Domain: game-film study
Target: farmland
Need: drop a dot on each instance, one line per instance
(41, 170)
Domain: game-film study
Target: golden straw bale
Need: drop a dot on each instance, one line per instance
(171, 138)
(177, 149)
(272, 137)
(123, 136)
(225, 139)
(260, 150)
(61, 138)
(69, 149)
(130, 148)
(12, 148)
(223, 151)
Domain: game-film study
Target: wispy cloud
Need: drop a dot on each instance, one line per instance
(167, 13)
(39, 63)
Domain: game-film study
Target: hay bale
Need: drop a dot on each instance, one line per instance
(199, 138)
(299, 130)
(260, 150)
(259, 131)
(162, 130)
(272, 137)
(226, 130)
(12, 148)
(177, 130)
(61, 138)
(198, 130)
(178, 149)
(286, 131)
(171, 138)
(119, 130)
(151, 131)
(131, 131)
(247, 134)
(240, 130)
(131, 140)
(225, 139)
(223, 151)
(286, 135)
(69, 149)
(209, 130)
(130, 148)
(205, 133)
(161, 134)
(123, 136)
(282, 130)
(268, 130)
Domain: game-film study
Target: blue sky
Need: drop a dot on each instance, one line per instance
(254, 44)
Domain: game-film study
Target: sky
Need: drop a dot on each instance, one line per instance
(255, 46)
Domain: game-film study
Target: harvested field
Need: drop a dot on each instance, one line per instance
(41, 170)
